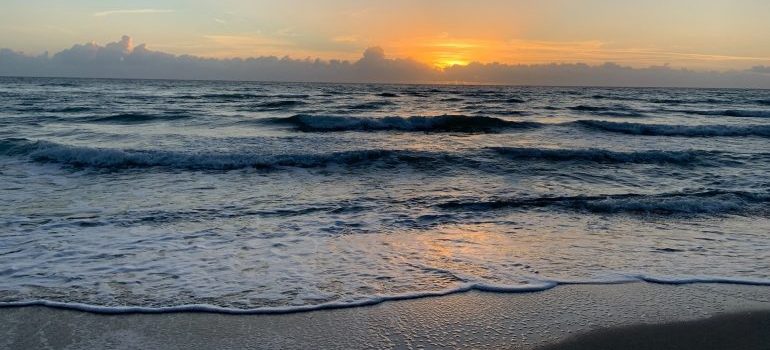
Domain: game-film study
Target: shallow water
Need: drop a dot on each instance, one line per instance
(267, 196)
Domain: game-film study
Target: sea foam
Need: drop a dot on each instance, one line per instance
(533, 286)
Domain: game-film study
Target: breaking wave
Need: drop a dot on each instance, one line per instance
(108, 158)
(444, 123)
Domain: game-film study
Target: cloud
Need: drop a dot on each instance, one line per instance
(130, 12)
(122, 59)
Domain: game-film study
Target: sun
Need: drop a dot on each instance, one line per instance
(447, 54)
(443, 53)
(447, 63)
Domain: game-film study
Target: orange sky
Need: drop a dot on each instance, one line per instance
(702, 34)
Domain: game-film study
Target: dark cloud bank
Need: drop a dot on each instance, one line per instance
(122, 60)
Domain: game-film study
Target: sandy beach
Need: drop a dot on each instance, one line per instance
(743, 330)
(566, 317)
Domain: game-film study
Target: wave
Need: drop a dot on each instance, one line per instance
(227, 96)
(511, 100)
(135, 118)
(605, 156)
(444, 123)
(59, 84)
(373, 105)
(709, 202)
(675, 130)
(667, 101)
(280, 104)
(584, 108)
(737, 113)
(535, 286)
(617, 111)
(388, 94)
(673, 101)
(69, 110)
(746, 113)
(107, 158)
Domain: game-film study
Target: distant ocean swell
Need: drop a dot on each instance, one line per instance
(708, 202)
(106, 158)
(459, 123)
(135, 118)
(444, 123)
(613, 111)
(429, 124)
(676, 130)
(732, 113)
(112, 158)
(605, 156)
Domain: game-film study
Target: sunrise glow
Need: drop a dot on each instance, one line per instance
(721, 35)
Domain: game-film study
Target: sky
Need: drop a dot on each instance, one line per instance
(700, 43)
(697, 34)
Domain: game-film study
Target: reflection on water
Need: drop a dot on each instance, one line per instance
(250, 195)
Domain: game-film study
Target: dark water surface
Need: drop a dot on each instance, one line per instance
(288, 196)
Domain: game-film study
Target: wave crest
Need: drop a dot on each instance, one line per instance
(675, 130)
(107, 158)
(136, 118)
(710, 202)
(443, 123)
(737, 113)
(605, 156)
(616, 111)
(279, 104)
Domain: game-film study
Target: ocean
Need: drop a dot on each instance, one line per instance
(246, 197)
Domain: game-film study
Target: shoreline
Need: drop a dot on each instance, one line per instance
(376, 300)
(475, 319)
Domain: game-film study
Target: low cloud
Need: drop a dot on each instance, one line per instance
(121, 59)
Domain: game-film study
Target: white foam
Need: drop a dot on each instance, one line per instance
(540, 286)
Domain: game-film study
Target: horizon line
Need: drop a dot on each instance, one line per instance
(437, 83)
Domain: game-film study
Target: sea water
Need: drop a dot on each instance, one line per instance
(140, 195)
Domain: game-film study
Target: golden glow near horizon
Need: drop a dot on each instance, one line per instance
(445, 54)
(700, 34)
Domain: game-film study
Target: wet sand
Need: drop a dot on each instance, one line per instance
(566, 317)
(745, 330)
